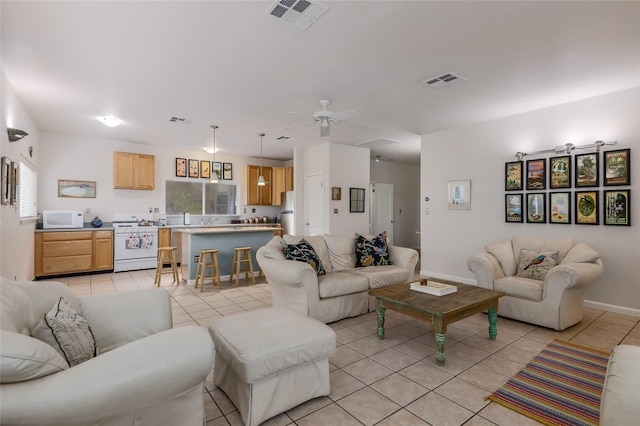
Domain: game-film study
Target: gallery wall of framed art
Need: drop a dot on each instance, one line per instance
(582, 189)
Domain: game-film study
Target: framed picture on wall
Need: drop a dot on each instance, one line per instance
(459, 194)
(513, 176)
(205, 169)
(76, 189)
(560, 207)
(560, 172)
(617, 169)
(513, 208)
(586, 170)
(181, 167)
(217, 170)
(6, 180)
(227, 171)
(536, 212)
(586, 203)
(536, 174)
(356, 200)
(194, 168)
(617, 207)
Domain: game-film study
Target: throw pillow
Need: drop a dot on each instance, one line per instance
(67, 332)
(303, 252)
(536, 264)
(374, 252)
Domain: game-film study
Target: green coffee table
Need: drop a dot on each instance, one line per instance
(439, 310)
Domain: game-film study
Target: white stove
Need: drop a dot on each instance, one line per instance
(135, 242)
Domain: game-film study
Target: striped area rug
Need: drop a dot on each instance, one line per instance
(562, 385)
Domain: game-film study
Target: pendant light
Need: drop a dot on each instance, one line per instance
(261, 181)
(214, 174)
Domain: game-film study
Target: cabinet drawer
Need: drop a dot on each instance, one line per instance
(63, 236)
(64, 264)
(67, 248)
(103, 234)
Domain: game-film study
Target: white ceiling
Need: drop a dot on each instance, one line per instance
(230, 64)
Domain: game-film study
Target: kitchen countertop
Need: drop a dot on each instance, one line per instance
(239, 228)
(87, 227)
(224, 225)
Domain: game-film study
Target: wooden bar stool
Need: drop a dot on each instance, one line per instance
(166, 257)
(242, 257)
(203, 264)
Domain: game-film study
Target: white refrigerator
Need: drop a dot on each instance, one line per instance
(287, 217)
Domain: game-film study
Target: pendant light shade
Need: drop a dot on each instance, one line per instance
(214, 174)
(261, 181)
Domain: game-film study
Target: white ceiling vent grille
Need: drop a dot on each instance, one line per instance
(179, 120)
(299, 13)
(444, 80)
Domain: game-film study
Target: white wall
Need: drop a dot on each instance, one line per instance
(80, 158)
(16, 246)
(479, 153)
(406, 198)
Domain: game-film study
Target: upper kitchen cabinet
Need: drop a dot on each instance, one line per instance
(255, 195)
(279, 184)
(134, 171)
(288, 179)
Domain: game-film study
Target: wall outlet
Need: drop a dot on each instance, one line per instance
(156, 209)
(335, 211)
(87, 209)
(196, 259)
(253, 210)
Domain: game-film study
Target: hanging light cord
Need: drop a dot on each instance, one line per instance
(214, 179)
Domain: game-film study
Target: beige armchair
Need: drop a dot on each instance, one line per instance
(145, 374)
(544, 280)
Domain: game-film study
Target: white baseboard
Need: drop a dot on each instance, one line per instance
(612, 308)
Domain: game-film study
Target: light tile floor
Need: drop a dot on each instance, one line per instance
(386, 382)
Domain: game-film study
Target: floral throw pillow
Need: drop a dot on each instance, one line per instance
(67, 332)
(535, 265)
(374, 252)
(304, 252)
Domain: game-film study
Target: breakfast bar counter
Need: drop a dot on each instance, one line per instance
(224, 239)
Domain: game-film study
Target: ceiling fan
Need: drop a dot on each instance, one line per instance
(326, 118)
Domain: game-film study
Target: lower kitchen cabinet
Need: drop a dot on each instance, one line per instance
(68, 252)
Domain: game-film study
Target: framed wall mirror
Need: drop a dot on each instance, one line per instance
(356, 200)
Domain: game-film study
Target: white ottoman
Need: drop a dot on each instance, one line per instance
(271, 360)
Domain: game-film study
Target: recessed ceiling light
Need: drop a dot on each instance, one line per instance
(110, 121)
(210, 150)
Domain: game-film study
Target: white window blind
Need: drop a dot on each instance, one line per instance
(27, 184)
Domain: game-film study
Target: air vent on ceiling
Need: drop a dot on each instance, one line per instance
(179, 120)
(283, 138)
(299, 13)
(444, 80)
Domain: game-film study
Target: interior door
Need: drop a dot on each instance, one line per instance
(314, 204)
(382, 209)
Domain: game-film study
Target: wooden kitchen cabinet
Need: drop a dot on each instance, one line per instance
(255, 195)
(288, 179)
(102, 250)
(278, 184)
(67, 252)
(133, 171)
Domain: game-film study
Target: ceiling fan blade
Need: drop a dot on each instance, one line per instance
(346, 114)
(299, 125)
(325, 130)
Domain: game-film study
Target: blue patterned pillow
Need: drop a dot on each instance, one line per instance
(373, 252)
(303, 252)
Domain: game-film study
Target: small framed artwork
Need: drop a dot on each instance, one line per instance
(336, 193)
(586, 170)
(560, 172)
(513, 176)
(356, 200)
(205, 169)
(560, 207)
(617, 205)
(217, 170)
(227, 171)
(459, 195)
(13, 197)
(6, 180)
(586, 203)
(536, 212)
(513, 208)
(181, 167)
(616, 167)
(194, 168)
(536, 174)
(76, 189)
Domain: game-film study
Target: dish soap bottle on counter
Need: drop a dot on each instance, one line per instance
(187, 218)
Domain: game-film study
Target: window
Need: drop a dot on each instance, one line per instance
(27, 184)
(200, 198)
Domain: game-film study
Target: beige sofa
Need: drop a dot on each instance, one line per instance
(554, 301)
(144, 375)
(620, 403)
(343, 291)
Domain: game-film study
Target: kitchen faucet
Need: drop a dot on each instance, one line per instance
(212, 220)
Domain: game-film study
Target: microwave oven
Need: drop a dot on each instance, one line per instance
(62, 219)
